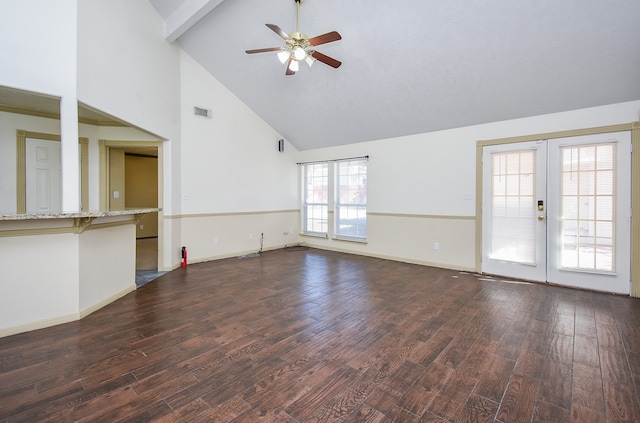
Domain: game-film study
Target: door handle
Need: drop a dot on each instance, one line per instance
(541, 218)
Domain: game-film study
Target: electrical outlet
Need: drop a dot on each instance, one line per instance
(141, 227)
(215, 241)
(436, 245)
(468, 196)
(250, 236)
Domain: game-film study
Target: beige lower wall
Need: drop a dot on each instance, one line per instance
(56, 275)
(39, 280)
(107, 263)
(215, 236)
(411, 238)
(400, 237)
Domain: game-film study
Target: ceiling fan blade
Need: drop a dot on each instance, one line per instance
(263, 50)
(326, 59)
(289, 71)
(325, 38)
(279, 31)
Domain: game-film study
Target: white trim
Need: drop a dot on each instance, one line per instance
(316, 234)
(87, 311)
(350, 239)
(39, 324)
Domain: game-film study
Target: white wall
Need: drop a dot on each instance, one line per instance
(126, 68)
(230, 163)
(39, 283)
(107, 264)
(427, 176)
(38, 44)
(231, 168)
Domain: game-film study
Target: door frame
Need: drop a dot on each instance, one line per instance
(633, 127)
(21, 167)
(104, 146)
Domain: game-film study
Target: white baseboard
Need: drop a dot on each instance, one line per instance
(87, 311)
(39, 324)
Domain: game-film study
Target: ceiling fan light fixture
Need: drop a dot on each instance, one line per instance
(299, 53)
(283, 56)
(310, 60)
(300, 47)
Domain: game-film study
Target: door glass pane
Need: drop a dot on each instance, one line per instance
(351, 199)
(513, 218)
(588, 215)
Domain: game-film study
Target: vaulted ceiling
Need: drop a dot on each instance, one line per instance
(417, 65)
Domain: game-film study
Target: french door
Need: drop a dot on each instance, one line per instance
(559, 211)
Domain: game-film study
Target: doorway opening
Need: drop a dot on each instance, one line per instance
(131, 179)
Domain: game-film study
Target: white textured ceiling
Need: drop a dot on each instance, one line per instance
(417, 65)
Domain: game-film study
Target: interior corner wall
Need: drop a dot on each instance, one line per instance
(231, 172)
(421, 188)
(230, 162)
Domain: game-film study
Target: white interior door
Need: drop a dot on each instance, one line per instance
(43, 176)
(559, 211)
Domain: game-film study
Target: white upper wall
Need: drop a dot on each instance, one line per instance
(231, 162)
(126, 68)
(38, 45)
(431, 173)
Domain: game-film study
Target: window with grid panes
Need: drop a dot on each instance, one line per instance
(351, 199)
(316, 198)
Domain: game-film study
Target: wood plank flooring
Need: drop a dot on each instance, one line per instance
(316, 336)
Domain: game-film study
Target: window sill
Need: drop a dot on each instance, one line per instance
(315, 234)
(350, 239)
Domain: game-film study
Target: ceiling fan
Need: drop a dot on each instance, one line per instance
(299, 46)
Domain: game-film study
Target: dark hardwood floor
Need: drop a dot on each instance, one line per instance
(315, 336)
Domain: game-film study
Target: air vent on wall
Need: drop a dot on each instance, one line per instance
(200, 112)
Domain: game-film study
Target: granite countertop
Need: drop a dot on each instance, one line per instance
(74, 215)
